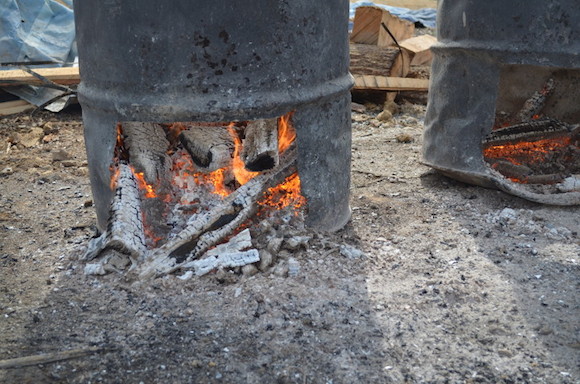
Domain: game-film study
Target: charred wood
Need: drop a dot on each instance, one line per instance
(125, 232)
(210, 147)
(147, 148)
(260, 151)
(535, 104)
(528, 131)
(234, 253)
(205, 230)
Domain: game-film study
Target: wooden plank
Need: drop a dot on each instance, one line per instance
(411, 4)
(419, 49)
(366, 59)
(65, 76)
(16, 106)
(382, 83)
(367, 28)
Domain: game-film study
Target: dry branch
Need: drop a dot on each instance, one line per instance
(27, 361)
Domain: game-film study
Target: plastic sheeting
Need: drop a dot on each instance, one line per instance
(425, 16)
(37, 30)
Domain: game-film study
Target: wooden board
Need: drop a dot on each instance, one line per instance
(65, 76)
(419, 49)
(366, 59)
(367, 28)
(382, 83)
(411, 4)
(16, 106)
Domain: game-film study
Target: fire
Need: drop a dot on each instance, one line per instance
(526, 152)
(148, 188)
(113, 183)
(190, 189)
(286, 132)
(216, 179)
(284, 195)
(238, 167)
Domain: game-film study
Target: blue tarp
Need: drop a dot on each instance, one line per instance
(425, 16)
(36, 30)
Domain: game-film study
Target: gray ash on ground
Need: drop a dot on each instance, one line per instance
(453, 283)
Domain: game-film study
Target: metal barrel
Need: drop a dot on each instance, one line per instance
(185, 60)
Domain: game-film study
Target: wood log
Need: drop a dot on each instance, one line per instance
(419, 49)
(383, 83)
(535, 104)
(64, 76)
(210, 147)
(147, 146)
(367, 27)
(527, 131)
(260, 150)
(209, 228)
(125, 232)
(366, 59)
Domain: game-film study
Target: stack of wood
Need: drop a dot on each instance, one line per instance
(383, 48)
(17, 77)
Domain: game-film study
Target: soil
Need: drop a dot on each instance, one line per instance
(432, 281)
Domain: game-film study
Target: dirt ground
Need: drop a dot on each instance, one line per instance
(455, 284)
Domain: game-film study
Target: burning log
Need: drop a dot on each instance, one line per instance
(147, 148)
(542, 151)
(535, 104)
(260, 151)
(528, 131)
(209, 228)
(125, 232)
(210, 147)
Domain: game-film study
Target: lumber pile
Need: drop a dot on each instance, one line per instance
(383, 48)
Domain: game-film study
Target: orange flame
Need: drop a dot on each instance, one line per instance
(216, 179)
(286, 132)
(148, 188)
(113, 183)
(241, 174)
(286, 194)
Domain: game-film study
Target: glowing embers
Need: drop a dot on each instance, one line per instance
(533, 141)
(539, 152)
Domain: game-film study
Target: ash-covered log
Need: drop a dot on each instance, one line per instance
(535, 104)
(147, 147)
(205, 230)
(125, 232)
(260, 151)
(539, 129)
(211, 147)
